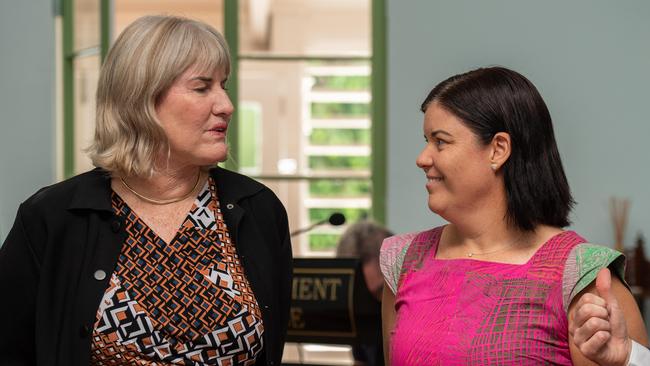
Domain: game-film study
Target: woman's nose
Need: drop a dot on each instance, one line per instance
(424, 160)
(222, 104)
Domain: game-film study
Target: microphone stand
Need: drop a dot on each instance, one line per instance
(335, 219)
(308, 228)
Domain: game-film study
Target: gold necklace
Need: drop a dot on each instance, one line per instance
(163, 202)
(471, 254)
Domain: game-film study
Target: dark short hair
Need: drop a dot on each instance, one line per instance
(496, 99)
(362, 240)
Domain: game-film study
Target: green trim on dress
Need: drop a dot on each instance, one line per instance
(591, 258)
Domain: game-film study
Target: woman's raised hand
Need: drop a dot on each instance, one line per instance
(598, 325)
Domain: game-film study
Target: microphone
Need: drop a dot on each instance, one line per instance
(335, 219)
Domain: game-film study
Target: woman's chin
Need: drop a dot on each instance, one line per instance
(436, 207)
(213, 159)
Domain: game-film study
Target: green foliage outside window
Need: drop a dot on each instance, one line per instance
(339, 188)
(351, 214)
(323, 242)
(333, 136)
(333, 110)
(342, 82)
(339, 162)
(249, 135)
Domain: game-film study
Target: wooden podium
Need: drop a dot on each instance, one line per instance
(331, 303)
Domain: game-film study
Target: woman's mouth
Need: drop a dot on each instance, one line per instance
(431, 181)
(218, 131)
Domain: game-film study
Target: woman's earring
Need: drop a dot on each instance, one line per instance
(493, 166)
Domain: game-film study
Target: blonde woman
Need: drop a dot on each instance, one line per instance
(156, 256)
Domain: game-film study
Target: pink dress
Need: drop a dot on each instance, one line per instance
(473, 312)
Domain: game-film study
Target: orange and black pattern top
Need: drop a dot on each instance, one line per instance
(186, 302)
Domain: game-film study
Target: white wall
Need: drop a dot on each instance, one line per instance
(590, 59)
(26, 103)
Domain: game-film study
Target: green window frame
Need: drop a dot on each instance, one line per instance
(69, 55)
(231, 33)
(378, 90)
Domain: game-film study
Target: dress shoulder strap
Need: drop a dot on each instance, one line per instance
(549, 260)
(399, 254)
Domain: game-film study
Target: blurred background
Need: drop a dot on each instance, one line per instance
(327, 94)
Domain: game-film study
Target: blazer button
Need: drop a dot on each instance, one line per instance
(115, 226)
(100, 275)
(230, 206)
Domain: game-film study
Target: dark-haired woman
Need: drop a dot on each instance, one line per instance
(500, 283)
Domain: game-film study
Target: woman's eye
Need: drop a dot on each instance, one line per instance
(201, 90)
(440, 143)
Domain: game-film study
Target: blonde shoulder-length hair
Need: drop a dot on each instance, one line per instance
(140, 67)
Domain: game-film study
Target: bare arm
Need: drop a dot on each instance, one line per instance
(387, 319)
(602, 320)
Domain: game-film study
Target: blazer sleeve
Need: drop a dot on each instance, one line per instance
(286, 266)
(19, 276)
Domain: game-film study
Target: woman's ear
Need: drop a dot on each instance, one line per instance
(501, 147)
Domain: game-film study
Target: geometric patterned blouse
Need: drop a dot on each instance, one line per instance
(186, 302)
(466, 311)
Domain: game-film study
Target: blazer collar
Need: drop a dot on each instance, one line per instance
(232, 187)
(92, 191)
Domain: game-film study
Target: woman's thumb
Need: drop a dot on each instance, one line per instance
(616, 317)
(604, 285)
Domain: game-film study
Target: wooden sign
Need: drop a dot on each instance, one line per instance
(330, 302)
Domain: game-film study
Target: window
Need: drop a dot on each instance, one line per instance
(83, 27)
(308, 85)
(316, 137)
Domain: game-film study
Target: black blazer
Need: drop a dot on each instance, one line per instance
(67, 231)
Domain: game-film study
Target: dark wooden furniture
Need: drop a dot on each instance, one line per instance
(637, 273)
(331, 303)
